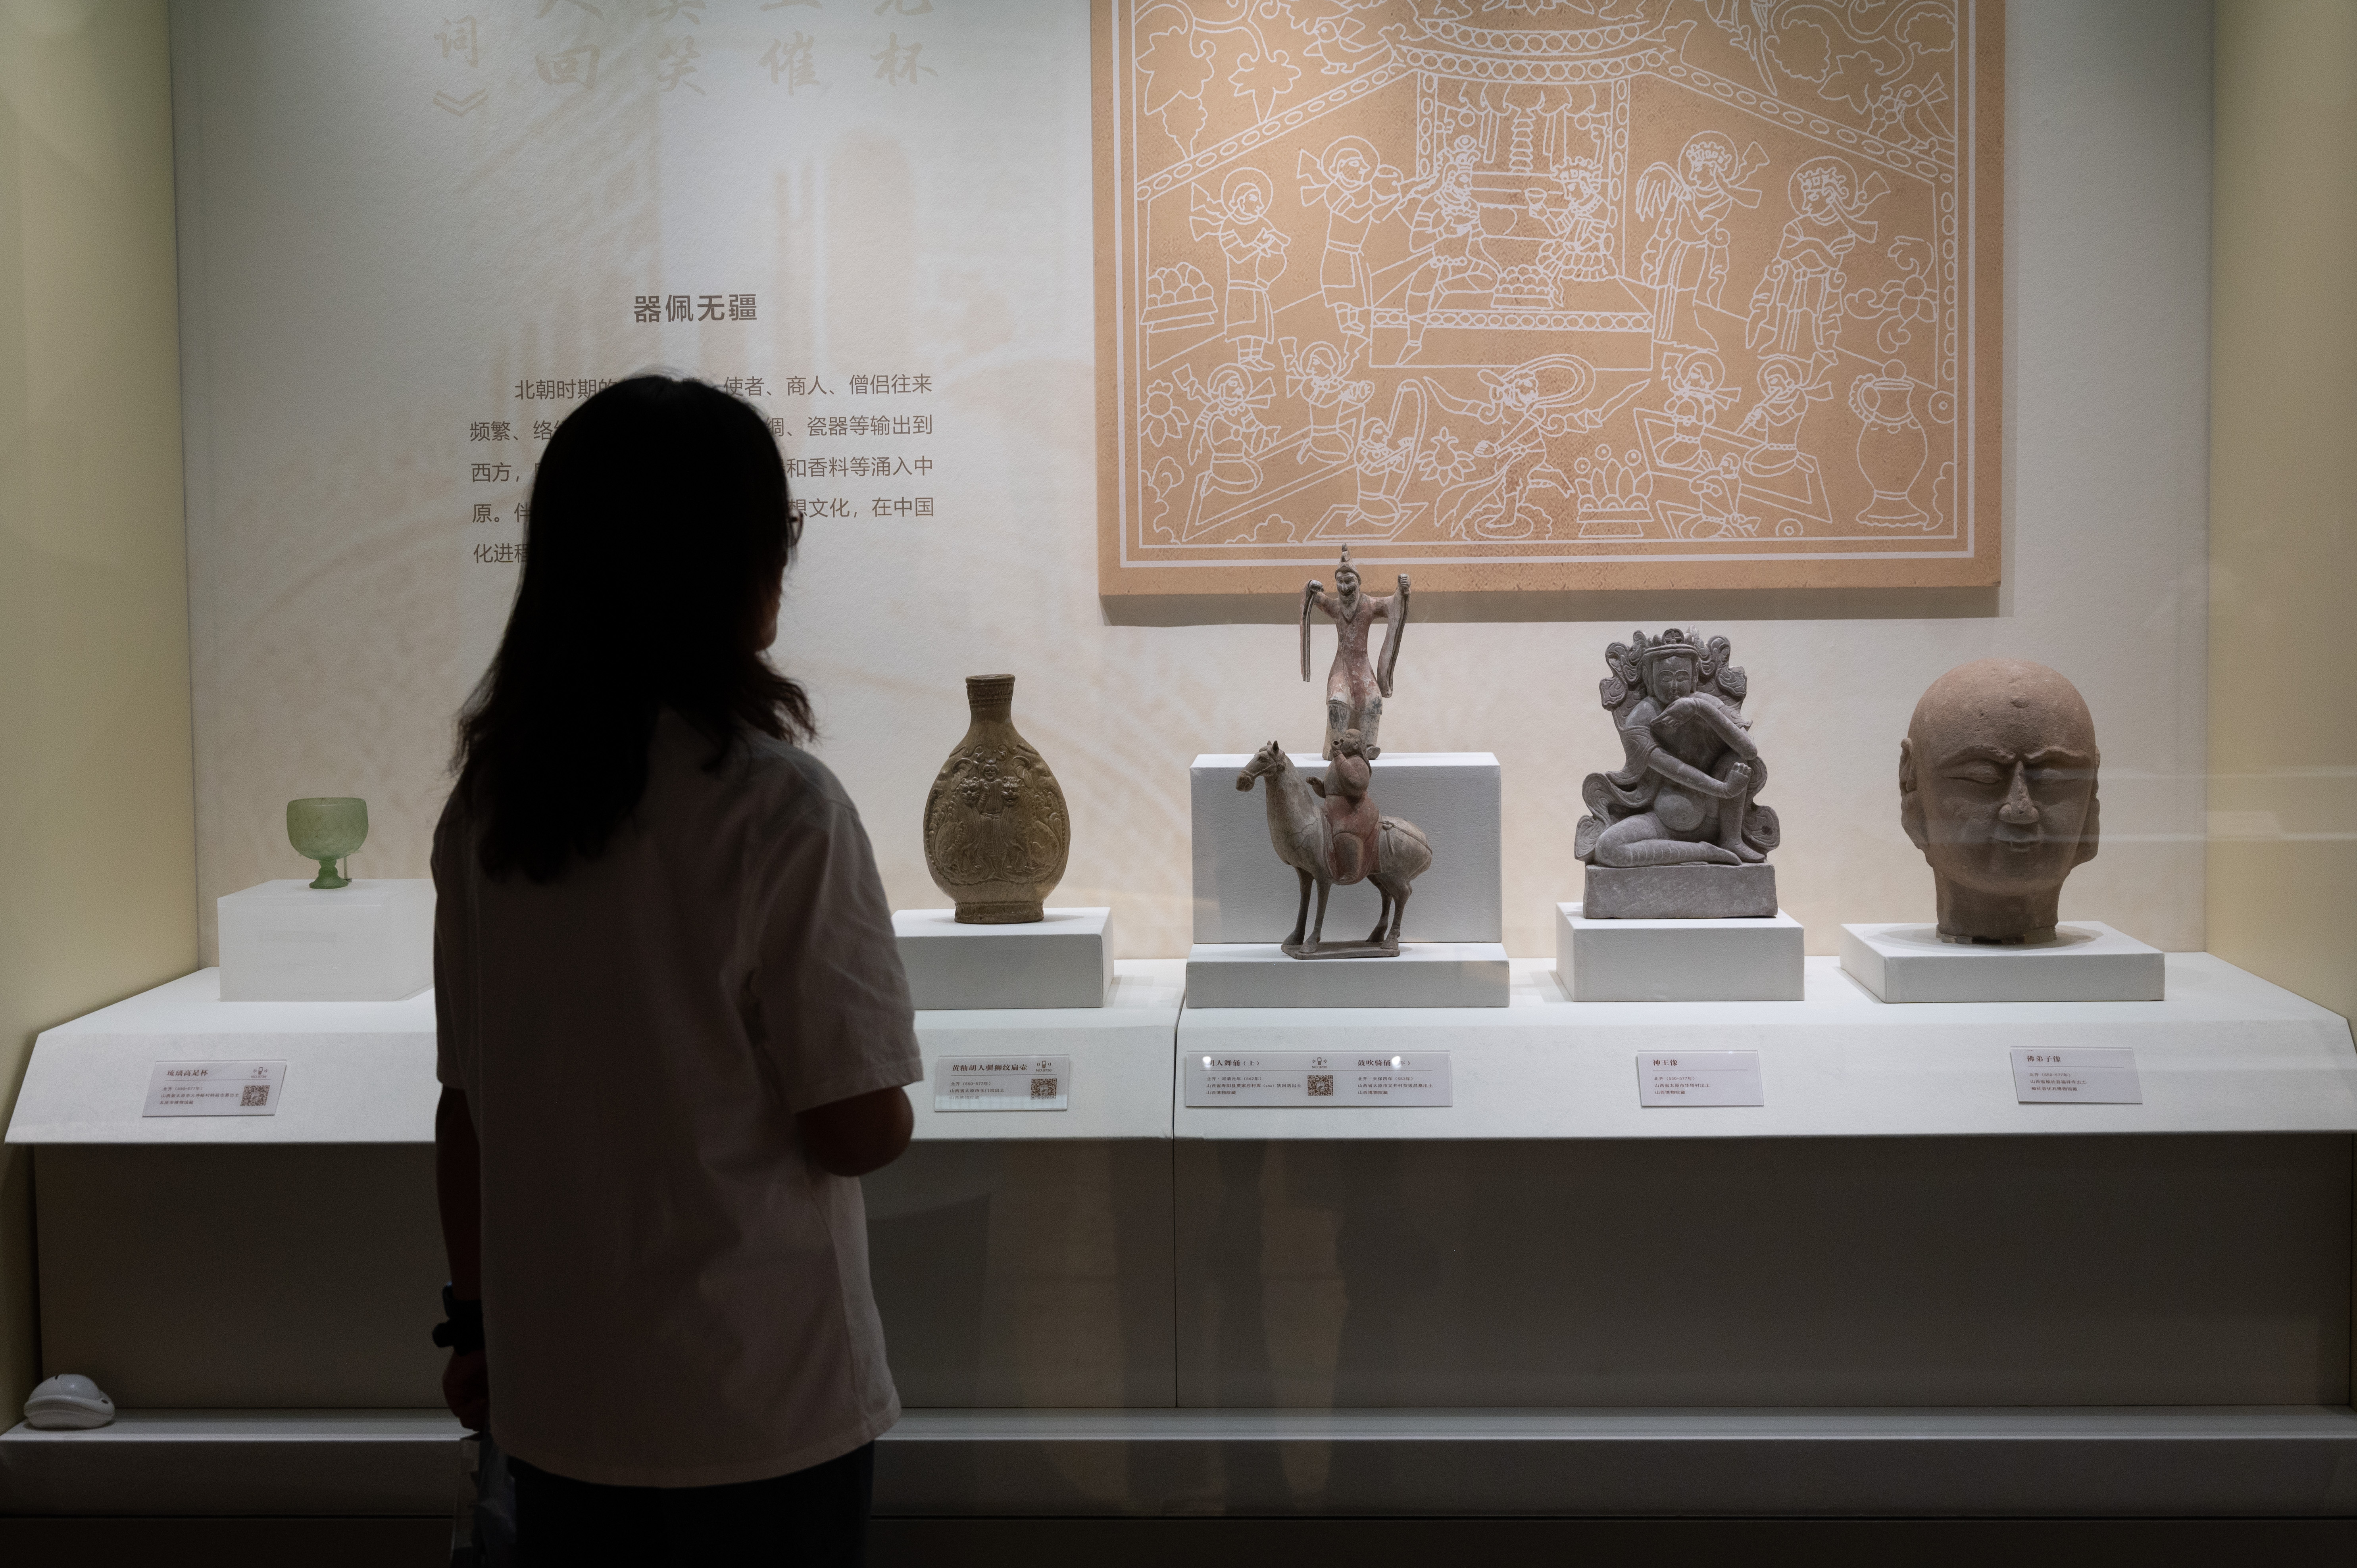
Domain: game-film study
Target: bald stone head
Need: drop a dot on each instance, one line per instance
(1996, 786)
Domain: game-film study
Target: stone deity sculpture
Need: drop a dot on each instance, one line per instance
(1688, 796)
(1996, 786)
(1354, 691)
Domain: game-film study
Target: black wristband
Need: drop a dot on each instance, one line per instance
(463, 1334)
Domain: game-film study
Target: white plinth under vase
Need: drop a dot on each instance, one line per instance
(1244, 894)
(1424, 974)
(1679, 960)
(1064, 961)
(2087, 962)
(288, 941)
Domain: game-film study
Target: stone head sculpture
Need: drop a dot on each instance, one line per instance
(1996, 786)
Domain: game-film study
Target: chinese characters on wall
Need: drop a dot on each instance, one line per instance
(828, 480)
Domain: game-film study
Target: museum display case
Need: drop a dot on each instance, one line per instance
(1386, 1053)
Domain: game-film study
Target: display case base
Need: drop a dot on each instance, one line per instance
(2088, 962)
(1424, 974)
(1064, 961)
(1678, 960)
(288, 941)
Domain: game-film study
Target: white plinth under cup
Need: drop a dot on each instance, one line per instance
(2087, 962)
(1243, 892)
(1679, 960)
(1424, 974)
(1063, 961)
(1690, 892)
(287, 941)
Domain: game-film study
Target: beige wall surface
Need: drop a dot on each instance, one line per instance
(97, 840)
(2283, 522)
(387, 223)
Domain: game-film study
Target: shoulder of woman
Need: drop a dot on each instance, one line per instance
(791, 779)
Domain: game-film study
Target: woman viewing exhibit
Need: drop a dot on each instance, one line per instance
(674, 1025)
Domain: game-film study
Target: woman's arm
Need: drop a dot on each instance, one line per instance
(458, 1189)
(863, 1133)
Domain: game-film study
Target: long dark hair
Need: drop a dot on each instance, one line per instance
(660, 523)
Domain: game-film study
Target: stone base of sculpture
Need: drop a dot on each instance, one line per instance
(2086, 961)
(1679, 960)
(1688, 892)
(1422, 974)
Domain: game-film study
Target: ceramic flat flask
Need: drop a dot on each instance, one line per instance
(996, 832)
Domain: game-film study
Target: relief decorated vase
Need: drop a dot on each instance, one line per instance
(997, 832)
(1891, 447)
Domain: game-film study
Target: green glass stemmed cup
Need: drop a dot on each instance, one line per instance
(326, 829)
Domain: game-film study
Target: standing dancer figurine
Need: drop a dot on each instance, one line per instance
(1354, 690)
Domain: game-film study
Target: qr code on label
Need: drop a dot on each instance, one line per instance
(1044, 1089)
(1321, 1085)
(254, 1094)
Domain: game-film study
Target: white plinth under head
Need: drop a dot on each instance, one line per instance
(1064, 961)
(1424, 974)
(1244, 894)
(287, 941)
(1679, 960)
(2088, 962)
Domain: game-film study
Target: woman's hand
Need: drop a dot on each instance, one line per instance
(467, 1389)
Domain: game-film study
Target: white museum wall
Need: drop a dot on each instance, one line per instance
(372, 255)
(97, 835)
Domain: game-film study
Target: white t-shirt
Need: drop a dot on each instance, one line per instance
(673, 1293)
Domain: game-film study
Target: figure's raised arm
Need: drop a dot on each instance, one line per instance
(1396, 613)
(1309, 597)
(1440, 394)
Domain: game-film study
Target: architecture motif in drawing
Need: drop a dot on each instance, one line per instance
(1537, 280)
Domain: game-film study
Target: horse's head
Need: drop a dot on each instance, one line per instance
(1269, 759)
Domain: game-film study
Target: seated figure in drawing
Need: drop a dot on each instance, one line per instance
(1787, 387)
(1354, 690)
(1688, 793)
(1232, 436)
(1320, 376)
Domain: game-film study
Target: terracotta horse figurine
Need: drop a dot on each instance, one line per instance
(1327, 831)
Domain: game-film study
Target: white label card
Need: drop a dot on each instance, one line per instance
(215, 1088)
(1318, 1079)
(2092, 1075)
(1699, 1078)
(1003, 1083)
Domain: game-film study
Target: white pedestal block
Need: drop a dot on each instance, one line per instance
(1244, 894)
(1426, 974)
(2087, 962)
(1064, 961)
(1678, 960)
(287, 941)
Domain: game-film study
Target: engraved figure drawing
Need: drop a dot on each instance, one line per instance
(1512, 283)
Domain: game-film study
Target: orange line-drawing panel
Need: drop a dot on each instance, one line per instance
(1541, 295)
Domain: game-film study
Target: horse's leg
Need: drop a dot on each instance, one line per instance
(1399, 914)
(1382, 915)
(1317, 935)
(1300, 916)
